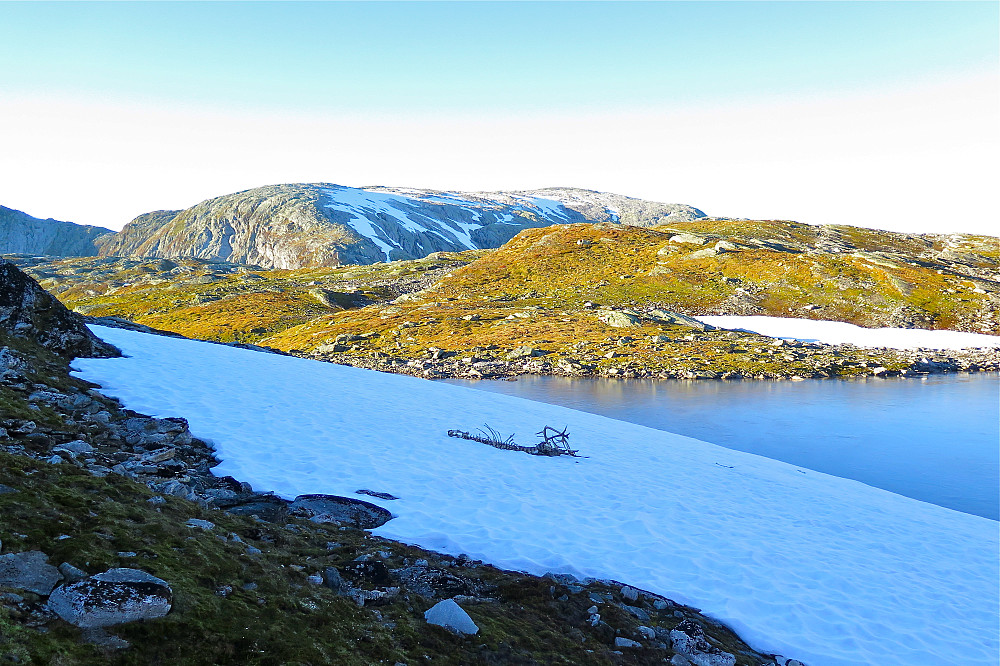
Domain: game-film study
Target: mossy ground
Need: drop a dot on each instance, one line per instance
(284, 619)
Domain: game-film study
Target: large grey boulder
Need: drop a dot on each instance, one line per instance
(114, 597)
(450, 615)
(28, 571)
(333, 509)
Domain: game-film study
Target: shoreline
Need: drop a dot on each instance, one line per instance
(919, 363)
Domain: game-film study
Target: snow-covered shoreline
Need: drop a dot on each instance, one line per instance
(824, 569)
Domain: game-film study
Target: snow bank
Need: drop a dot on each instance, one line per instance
(837, 332)
(824, 569)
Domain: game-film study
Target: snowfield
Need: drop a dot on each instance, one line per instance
(838, 333)
(815, 567)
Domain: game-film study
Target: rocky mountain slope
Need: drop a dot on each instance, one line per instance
(21, 233)
(581, 300)
(303, 225)
(118, 546)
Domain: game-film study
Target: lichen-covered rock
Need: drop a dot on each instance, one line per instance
(114, 597)
(28, 311)
(28, 571)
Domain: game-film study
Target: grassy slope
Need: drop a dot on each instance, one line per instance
(533, 290)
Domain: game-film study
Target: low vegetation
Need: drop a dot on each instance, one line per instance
(556, 292)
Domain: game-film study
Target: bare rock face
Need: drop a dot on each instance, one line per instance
(114, 597)
(28, 311)
(321, 224)
(21, 233)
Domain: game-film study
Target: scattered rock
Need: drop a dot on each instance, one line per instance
(76, 446)
(450, 615)
(525, 351)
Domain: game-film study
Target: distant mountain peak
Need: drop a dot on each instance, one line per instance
(325, 224)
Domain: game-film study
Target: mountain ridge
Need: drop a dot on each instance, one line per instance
(21, 233)
(324, 224)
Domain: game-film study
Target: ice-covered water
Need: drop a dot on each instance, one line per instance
(935, 439)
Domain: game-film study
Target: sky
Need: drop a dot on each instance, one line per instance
(875, 114)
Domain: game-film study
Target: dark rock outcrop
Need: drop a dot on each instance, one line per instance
(27, 310)
(21, 233)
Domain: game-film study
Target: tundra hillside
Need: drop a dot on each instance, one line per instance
(579, 300)
(119, 546)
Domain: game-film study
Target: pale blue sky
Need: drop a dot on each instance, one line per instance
(877, 114)
(518, 56)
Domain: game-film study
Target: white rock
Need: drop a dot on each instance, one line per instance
(450, 615)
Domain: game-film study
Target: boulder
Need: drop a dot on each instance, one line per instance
(333, 509)
(450, 615)
(28, 571)
(619, 318)
(116, 596)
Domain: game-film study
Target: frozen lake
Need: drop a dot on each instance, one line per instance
(935, 439)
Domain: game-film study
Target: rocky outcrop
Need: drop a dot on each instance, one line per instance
(21, 233)
(27, 310)
(321, 224)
